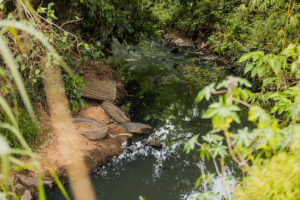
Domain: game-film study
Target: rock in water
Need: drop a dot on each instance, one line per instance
(154, 143)
(114, 112)
(138, 128)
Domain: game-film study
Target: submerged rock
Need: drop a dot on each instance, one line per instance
(138, 128)
(154, 143)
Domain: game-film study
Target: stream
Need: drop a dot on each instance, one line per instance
(168, 173)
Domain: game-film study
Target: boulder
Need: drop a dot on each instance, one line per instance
(28, 181)
(138, 128)
(100, 90)
(26, 195)
(154, 143)
(20, 189)
(91, 129)
(96, 113)
(33, 182)
(114, 112)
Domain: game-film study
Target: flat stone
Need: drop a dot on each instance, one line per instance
(28, 181)
(26, 195)
(138, 128)
(98, 132)
(33, 182)
(114, 112)
(100, 90)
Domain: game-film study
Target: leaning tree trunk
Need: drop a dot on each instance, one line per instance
(61, 123)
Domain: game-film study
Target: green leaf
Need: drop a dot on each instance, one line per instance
(205, 92)
(41, 189)
(198, 182)
(245, 57)
(243, 138)
(212, 138)
(190, 144)
(295, 66)
(244, 82)
(248, 68)
(275, 65)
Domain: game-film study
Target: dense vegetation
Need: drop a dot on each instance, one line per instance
(259, 37)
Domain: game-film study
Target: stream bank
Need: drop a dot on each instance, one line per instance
(160, 173)
(96, 152)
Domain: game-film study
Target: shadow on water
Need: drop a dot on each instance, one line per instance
(167, 173)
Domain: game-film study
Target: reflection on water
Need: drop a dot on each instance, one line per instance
(167, 173)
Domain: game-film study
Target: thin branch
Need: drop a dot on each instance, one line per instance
(72, 21)
(242, 102)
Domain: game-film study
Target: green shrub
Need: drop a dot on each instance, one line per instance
(28, 129)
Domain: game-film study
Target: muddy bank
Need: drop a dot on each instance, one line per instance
(95, 152)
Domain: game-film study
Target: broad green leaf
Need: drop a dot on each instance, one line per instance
(275, 65)
(248, 68)
(190, 144)
(205, 92)
(212, 138)
(245, 57)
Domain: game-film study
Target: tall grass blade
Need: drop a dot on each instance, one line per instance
(8, 59)
(41, 189)
(17, 134)
(8, 112)
(59, 184)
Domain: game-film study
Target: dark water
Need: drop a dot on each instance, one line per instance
(168, 173)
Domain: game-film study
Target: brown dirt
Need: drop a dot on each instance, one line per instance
(95, 153)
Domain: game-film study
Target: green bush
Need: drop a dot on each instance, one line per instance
(28, 129)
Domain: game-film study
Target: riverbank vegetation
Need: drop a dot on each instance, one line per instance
(260, 38)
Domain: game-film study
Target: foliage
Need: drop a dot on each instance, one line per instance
(233, 27)
(257, 25)
(30, 54)
(28, 128)
(269, 151)
(100, 22)
(73, 90)
(280, 179)
(19, 125)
